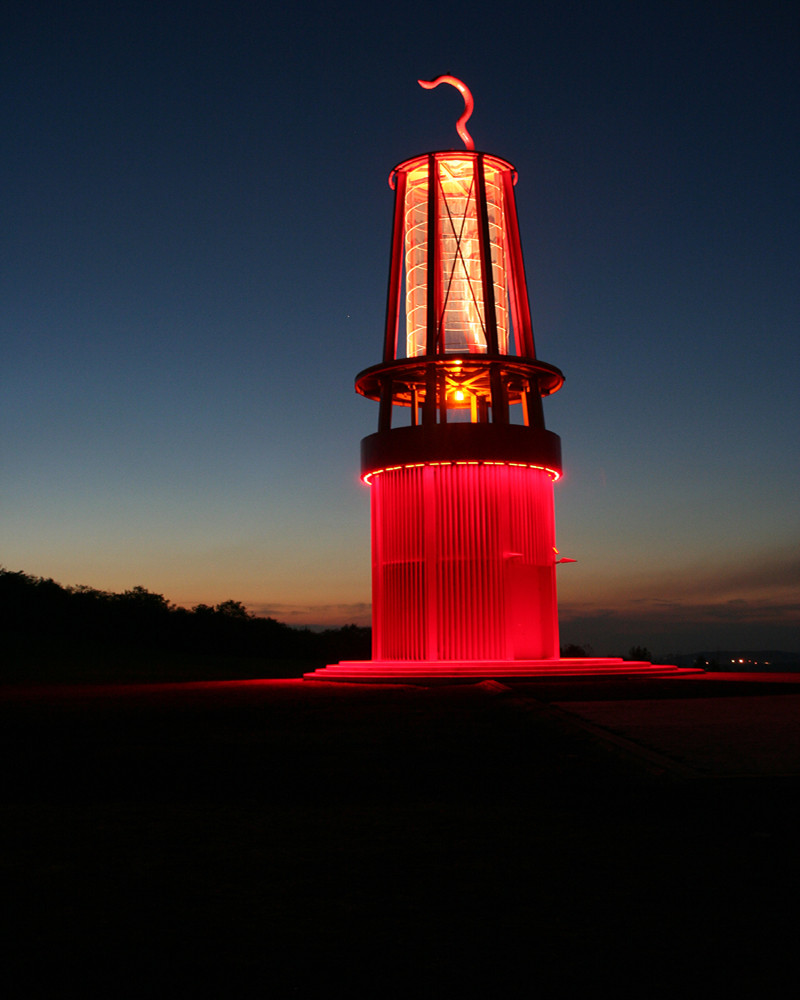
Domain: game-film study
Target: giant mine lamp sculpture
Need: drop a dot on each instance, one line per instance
(462, 468)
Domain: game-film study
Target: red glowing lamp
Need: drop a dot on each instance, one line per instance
(461, 467)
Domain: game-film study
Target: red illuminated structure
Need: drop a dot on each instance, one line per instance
(462, 467)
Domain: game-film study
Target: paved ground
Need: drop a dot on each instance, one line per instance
(282, 839)
(720, 737)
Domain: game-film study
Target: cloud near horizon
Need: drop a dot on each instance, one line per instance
(332, 615)
(748, 604)
(752, 602)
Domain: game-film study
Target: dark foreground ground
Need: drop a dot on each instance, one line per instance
(281, 839)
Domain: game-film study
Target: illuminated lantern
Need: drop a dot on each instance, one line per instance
(461, 469)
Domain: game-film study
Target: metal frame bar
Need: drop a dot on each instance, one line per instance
(395, 269)
(487, 277)
(517, 285)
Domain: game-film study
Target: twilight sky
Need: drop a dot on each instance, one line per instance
(195, 254)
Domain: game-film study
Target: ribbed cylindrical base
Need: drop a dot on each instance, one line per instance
(463, 563)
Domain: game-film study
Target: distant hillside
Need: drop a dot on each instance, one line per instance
(741, 660)
(63, 631)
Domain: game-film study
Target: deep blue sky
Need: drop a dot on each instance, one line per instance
(195, 253)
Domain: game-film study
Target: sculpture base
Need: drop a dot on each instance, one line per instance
(428, 672)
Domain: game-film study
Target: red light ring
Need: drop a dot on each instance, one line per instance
(367, 477)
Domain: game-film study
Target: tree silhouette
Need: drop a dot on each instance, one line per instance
(233, 609)
(40, 614)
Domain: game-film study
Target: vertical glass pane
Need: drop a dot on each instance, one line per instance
(461, 326)
(494, 200)
(416, 223)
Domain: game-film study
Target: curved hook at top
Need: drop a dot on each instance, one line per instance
(469, 104)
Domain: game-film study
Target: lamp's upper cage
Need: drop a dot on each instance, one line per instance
(461, 351)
